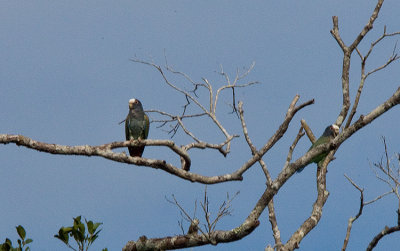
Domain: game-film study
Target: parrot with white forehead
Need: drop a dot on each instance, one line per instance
(136, 126)
(330, 133)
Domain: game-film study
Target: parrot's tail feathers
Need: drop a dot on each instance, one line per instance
(136, 151)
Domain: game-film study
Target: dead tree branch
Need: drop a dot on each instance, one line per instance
(308, 131)
(347, 51)
(393, 182)
(105, 152)
(392, 179)
(251, 221)
(364, 75)
(208, 110)
(362, 204)
(353, 219)
(316, 213)
(286, 173)
(383, 233)
(191, 97)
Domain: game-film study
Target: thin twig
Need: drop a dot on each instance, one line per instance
(352, 219)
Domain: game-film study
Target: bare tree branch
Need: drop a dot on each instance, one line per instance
(193, 221)
(368, 26)
(233, 85)
(378, 198)
(271, 208)
(192, 240)
(308, 131)
(105, 152)
(352, 219)
(364, 75)
(392, 181)
(394, 189)
(391, 172)
(293, 109)
(208, 110)
(188, 97)
(293, 146)
(383, 233)
(305, 159)
(252, 220)
(347, 51)
(244, 127)
(316, 213)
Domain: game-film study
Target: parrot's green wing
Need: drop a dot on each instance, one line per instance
(127, 134)
(320, 141)
(146, 126)
(329, 134)
(135, 129)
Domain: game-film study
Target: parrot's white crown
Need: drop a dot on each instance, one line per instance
(132, 100)
(335, 128)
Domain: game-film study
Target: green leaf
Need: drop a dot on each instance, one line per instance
(81, 227)
(67, 229)
(8, 241)
(63, 235)
(6, 246)
(90, 227)
(78, 235)
(96, 225)
(77, 220)
(104, 249)
(28, 241)
(21, 232)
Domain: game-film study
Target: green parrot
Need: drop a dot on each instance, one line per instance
(136, 126)
(329, 134)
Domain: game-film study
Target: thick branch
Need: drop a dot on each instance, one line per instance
(289, 170)
(105, 152)
(364, 120)
(316, 213)
(252, 220)
(286, 173)
(378, 237)
(191, 240)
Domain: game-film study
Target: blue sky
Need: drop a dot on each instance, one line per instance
(66, 78)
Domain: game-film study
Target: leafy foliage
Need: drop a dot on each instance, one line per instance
(78, 232)
(22, 242)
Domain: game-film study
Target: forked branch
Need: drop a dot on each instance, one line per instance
(191, 96)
